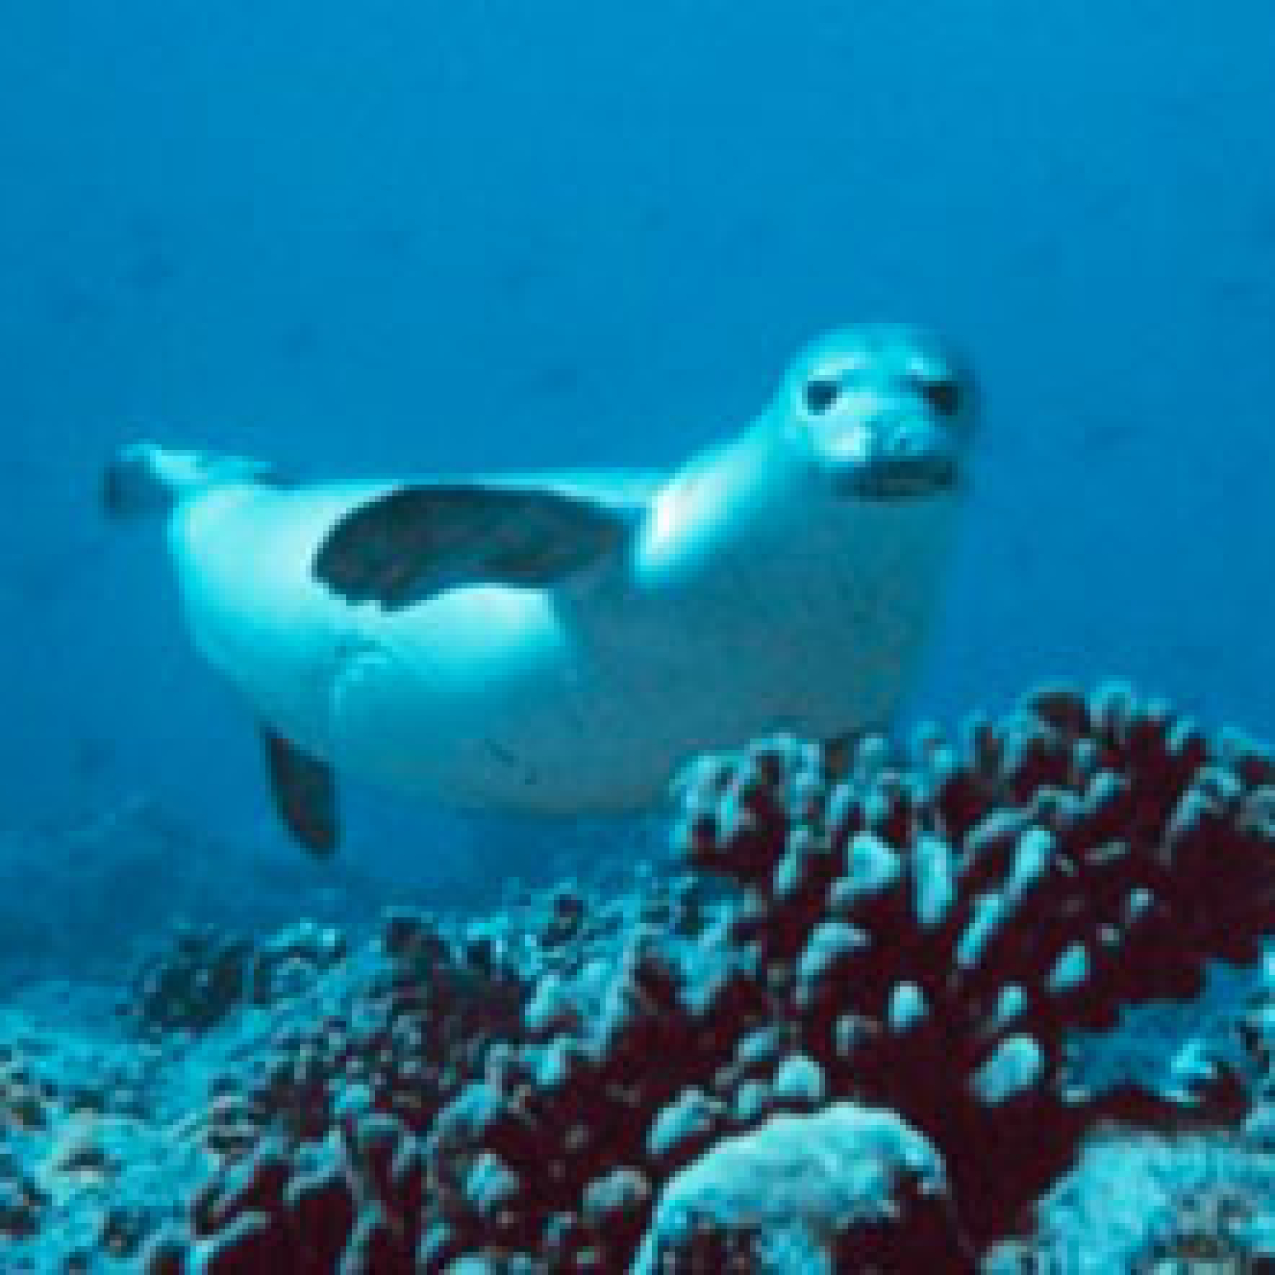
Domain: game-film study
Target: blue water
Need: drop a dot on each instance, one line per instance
(403, 237)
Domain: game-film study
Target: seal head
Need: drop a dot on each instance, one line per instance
(884, 410)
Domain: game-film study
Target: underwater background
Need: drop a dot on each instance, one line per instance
(394, 238)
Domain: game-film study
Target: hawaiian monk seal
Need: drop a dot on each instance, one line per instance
(562, 642)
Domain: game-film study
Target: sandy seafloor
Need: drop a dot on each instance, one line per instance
(787, 1029)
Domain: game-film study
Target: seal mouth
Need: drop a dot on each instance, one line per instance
(895, 480)
(894, 458)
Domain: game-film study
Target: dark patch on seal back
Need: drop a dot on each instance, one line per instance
(419, 541)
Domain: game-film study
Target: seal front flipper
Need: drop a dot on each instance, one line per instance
(304, 793)
(419, 541)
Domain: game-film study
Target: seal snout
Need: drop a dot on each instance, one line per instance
(902, 455)
(914, 459)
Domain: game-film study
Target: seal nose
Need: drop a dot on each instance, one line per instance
(919, 451)
(911, 442)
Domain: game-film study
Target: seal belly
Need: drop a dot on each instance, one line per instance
(484, 698)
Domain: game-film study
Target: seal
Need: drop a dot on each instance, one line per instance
(564, 642)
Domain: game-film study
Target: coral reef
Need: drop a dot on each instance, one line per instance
(193, 982)
(942, 929)
(91, 1163)
(849, 1024)
(922, 935)
(191, 986)
(805, 1193)
(1148, 1202)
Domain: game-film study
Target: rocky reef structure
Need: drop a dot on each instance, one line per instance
(1150, 1202)
(837, 1030)
(202, 975)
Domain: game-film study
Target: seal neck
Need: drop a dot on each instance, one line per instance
(720, 520)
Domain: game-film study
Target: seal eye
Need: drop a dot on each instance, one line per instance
(942, 393)
(821, 395)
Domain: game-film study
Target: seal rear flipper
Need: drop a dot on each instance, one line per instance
(304, 791)
(419, 541)
(146, 479)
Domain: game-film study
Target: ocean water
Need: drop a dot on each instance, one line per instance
(402, 238)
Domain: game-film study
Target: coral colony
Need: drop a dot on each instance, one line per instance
(837, 1033)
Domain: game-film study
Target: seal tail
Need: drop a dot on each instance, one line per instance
(147, 480)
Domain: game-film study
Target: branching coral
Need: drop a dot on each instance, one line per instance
(923, 934)
(933, 932)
